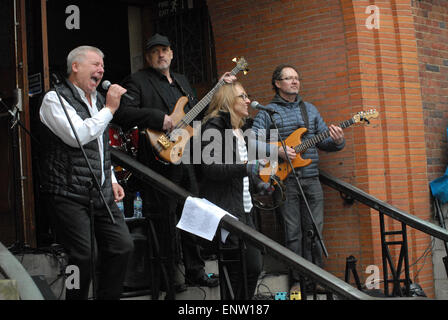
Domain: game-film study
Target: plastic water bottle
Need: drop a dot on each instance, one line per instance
(120, 205)
(138, 204)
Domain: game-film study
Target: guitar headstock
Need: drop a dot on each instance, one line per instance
(241, 64)
(365, 116)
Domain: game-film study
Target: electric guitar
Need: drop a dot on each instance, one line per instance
(282, 170)
(170, 146)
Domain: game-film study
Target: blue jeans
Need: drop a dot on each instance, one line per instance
(297, 222)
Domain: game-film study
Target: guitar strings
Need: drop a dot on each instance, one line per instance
(310, 142)
(192, 114)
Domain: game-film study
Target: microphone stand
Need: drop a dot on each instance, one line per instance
(16, 119)
(91, 184)
(313, 222)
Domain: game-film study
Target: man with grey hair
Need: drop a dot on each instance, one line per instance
(79, 53)
(66, 174)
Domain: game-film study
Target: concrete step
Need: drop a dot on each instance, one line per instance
(272, 280)
(268, 285)
(192, 292)
(202, 293)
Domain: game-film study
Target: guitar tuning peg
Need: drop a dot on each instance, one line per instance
(234, 59)
(244, 72)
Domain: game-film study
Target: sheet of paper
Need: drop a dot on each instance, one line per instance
(224, 232)
(201, 217)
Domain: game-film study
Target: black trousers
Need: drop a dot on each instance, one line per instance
(156, 202)
(113, 242)
(253, 258)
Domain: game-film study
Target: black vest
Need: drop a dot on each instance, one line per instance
(64, 169)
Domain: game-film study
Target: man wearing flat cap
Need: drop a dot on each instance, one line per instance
(156, 90)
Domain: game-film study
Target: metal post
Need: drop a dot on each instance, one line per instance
(388, 262)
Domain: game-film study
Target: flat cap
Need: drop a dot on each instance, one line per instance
(157, 40)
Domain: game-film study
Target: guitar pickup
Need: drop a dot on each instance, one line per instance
(164, 141)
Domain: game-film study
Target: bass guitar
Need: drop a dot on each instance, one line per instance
(170, 146)
(282, 170)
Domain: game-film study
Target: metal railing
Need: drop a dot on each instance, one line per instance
(306, 268)
(381, 206)
(400, 271)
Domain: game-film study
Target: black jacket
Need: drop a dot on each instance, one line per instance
(222, 183)
(147, 110)
(150, 104)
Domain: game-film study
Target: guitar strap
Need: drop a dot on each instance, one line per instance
(304, 113)
(184, 92)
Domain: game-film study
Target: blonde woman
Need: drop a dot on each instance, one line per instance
(224, 177)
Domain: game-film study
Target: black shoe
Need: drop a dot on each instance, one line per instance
(203, 281)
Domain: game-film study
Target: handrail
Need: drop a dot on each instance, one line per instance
(309, 269)
(13, 269)
(383, 207)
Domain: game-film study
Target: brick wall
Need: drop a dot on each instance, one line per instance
(345, 68)
(431, 32)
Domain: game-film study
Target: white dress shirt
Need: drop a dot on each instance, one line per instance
(53, 116)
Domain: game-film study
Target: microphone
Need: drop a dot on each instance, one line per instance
(256, 105)
(17, 107)
(55, 79)
(106, 84)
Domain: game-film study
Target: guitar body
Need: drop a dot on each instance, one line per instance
(170, 146)
(282, 170)
(171, 149)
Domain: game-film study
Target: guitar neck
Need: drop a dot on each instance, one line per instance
(320, 137)
(196, 110)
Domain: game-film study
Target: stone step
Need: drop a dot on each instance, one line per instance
(272, 280)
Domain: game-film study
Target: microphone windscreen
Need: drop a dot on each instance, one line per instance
(254, 104)
(55, 79)
(106, 84)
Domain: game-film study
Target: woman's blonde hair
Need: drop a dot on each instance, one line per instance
(223, 100)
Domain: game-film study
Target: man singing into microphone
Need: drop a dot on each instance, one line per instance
(291, 113)
(65, 174)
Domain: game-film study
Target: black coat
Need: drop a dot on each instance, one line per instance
(150, 105)
(147, 110)
(222, 183)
